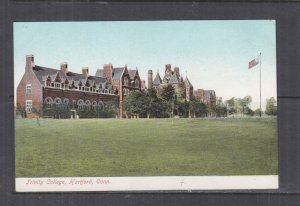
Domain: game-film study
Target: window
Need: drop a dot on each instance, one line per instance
(95, 105)
(57, 85)
(28, 89)
(101, 105)
(28, 106)
(57, 100)
(88, 105)
(125, 81)
(48, 102)
(125, 91)
(66, 101)
(80, 104)
(137, 83)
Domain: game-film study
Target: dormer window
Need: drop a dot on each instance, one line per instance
(28, 89)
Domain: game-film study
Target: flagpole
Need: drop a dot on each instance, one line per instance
(260, 84)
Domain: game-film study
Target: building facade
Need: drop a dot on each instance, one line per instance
(41, 86)
(207, 96)
(174, 78)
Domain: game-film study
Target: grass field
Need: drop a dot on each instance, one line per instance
(145, 147)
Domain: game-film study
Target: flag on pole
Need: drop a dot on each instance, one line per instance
(253, 63)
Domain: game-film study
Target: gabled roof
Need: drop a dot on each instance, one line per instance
(173, 79)
(132, 73)
(97, 80)
(117, 72)
(157, 80)
(187, 82)
(42, 74)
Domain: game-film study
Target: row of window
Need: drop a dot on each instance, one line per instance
(80, 103)
(80, 88)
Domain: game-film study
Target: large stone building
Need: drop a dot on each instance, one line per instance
(42, 86)
(174, 78)
(107, 88)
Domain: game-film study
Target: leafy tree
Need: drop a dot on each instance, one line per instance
(220, 110)
(249, 111)
(271, 109)
(194, 106)
(239, 105)
(244, 104)
(154, 104)
(257, 111)
(136, 103)
(231, 104)
(168, 96)
(183, 108)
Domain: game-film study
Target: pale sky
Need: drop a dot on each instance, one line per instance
(213, 54)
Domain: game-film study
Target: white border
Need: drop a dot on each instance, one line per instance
(66, 184)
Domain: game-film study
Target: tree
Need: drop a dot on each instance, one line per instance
(231, 104)
(154, 105)
(183, 108)
(244, 104)
(271, 108)
(136, 103)
(168, 96)
(220, 110)
(194, 106)
(257, 111)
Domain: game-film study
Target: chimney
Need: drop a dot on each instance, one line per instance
(107, 71)
(29, 61)
(64, 67)
(85, 71)
(176, 70)
(150, 79)
(168, 70)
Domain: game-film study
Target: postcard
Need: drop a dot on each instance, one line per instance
(145, 105)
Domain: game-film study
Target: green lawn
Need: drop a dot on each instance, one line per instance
(146, 147)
